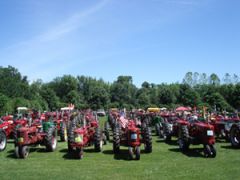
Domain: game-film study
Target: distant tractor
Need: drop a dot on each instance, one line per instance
(195, 133)
(127, 133)
(83, 133)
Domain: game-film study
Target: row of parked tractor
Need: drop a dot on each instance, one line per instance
(80, 129)
(188, 129)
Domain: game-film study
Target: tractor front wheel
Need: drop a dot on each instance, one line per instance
(79, 153)
(210, 151)
(138, 152)
(130, 153)
(3, 140)
(23, 151)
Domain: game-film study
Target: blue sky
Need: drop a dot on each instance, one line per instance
(151, 40)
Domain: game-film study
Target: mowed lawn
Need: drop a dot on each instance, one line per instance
(166, 162)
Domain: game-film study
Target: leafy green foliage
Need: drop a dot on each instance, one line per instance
(86, 92)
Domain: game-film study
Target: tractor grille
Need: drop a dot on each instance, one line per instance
(133, 137)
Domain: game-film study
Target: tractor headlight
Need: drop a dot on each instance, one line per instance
(20, 140)
(210, 132)
(79, 138)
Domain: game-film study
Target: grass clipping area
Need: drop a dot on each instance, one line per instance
(165, 162)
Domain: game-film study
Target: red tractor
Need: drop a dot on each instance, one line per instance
(128, 133)
(222, 126)
(61, 120)
(40, 133)
(8, 127)
(195, 133)
(84, 133)
(169, 126)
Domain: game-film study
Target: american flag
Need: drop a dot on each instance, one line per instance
(123, 122)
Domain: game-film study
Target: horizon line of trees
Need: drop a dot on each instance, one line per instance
(196, 90)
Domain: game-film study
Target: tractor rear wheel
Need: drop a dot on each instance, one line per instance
(167, 132)
(157, 129)
(3, 140)
(210, 151)
(183, 140)
(98, 143)
(235, 136)
(138, 152)
(15, 134)
(51, 139)
(116, 139)
(71, 135)
(106, 130)
(63, 132)
(23, 151)
(79, 153)
(148, 140)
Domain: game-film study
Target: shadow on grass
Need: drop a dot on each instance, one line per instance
(230, 147)
(122, 155)
(63, 151)
(11, 153)
(171, 142)
(70, 156)
(196, 152)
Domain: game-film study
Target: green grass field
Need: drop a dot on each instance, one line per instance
(166, 162)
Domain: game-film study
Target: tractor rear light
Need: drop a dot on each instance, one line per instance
(133, 136)
(210, 132)
(79, 138)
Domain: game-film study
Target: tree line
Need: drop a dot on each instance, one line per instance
(196, 90)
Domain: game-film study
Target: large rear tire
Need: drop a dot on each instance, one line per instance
(51, 139)
(183, 140)
(98, 143)
(148, 140)
(167, 132)
(157, 129)
(116, 139)
(106, 130)
(3, 140)
(235, 136)
(63, 132)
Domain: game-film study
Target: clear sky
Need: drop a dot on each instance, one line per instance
(152, 40)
